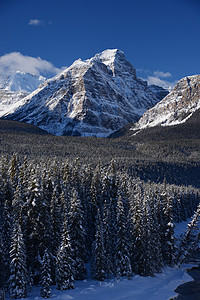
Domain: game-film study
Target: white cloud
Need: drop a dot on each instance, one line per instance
(157, 78)
(35, 22)
(161, 74)
(15, 61)
(163, 83)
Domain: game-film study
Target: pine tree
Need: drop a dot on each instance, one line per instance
(190, 239)
(35, 227)
(2, 264)
(18, 270)
(65, 263)
(46, 276)
(6, 238)
(77, 235)
(123, 265)
(135, 219)
(98, 252)
(109, 241)
(169, 247)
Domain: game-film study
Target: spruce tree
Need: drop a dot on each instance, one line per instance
(46, 276)
(190, 239)
(98, 252)
(6, 237)
(123, 264)
(65, 262)
(77, 235)
(18, 269)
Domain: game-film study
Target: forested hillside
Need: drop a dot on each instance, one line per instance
(57, 215)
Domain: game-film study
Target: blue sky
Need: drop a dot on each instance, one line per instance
(161, 38)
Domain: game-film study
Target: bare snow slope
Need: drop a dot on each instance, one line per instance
(176, 108)
(20, 82)
(90, 98)
(14, 87)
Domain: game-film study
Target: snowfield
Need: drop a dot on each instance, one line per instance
(160, 287)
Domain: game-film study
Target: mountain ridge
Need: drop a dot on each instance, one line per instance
(94, 97)
(176, 108)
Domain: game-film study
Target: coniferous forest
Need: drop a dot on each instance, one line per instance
(57, 217)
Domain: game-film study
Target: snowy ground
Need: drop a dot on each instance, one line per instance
(160, 287)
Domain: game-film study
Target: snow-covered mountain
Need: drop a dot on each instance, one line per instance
(159, 91)
(14, 87)
(90, 98)
(20, 82)
(176, 108)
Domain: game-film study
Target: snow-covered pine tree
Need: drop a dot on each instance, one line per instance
(2, 264)
(65, 262)
(146, 262)
(35, 227)
(18, 269)
(109, 240)
(77, 235)
(190, 239)
(98, 251)
(46, 275)
(14, 171)
(169, 247)
(122, 256)
(154, 227)
(56, 217)
(135, 220)
(6, 229)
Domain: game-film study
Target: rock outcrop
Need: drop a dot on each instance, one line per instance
(176, 108)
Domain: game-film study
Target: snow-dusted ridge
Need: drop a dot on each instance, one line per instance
(176, 108)
(20, 82)
(90, 98)
(14, 87)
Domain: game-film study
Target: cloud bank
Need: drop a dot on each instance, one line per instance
(15, 61)
(159, 78)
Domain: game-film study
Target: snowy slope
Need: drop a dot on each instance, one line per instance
(160, 287)
(176, 108)
(20, 82)
(14, 87)
(90, 98)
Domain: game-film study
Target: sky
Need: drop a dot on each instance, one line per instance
(161, 38)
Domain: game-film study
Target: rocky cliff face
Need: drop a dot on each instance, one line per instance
(175, 108)
(159, 91)
(90, 98)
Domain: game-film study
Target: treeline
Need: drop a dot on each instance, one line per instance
(57, 215)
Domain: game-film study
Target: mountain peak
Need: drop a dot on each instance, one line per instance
(110, 55)
(177, 107)
(93, 97)
(116, 61)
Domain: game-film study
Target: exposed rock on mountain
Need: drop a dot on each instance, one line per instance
(159, 91)
(90, 98)
(175, 108)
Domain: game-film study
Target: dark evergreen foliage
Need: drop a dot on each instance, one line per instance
(98, 253)
(81, 213)
(65, 263)
(18, 269)
(46, 276)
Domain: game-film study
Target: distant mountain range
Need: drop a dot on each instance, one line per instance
(96, 97)
(90, 98)
(14, 87)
